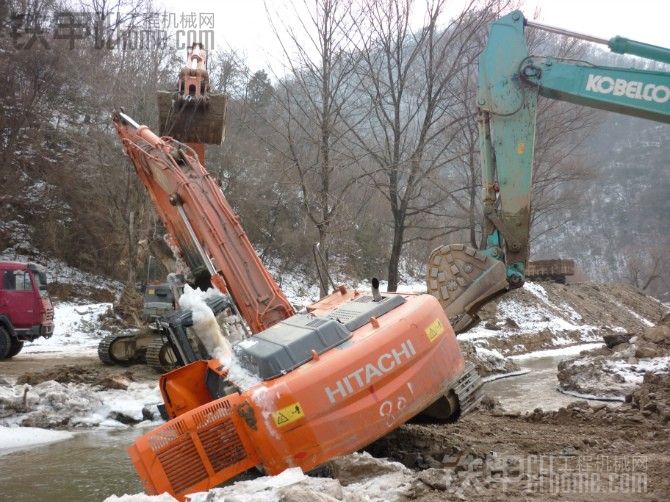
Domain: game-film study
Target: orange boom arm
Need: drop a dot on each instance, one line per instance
(201, 223)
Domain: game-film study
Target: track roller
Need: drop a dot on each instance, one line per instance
(160, 356)
(117, 350)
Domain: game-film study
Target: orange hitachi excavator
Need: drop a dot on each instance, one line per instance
(322, 383)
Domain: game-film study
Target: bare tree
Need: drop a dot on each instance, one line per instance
(409, 78)
(314, 100)
(648, 269)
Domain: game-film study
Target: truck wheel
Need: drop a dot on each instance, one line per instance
(5, 342)
(16, 347)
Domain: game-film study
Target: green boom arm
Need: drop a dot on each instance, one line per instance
(509, 82)
(463, 278)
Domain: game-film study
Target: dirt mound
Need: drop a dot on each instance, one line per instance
(68, 292)
(497, 456)
(610, 304)
(488, 362)
(541, 316)
(113, 379)
(652, 399)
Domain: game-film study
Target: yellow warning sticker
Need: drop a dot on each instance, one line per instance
(434, 329)
(288, 415)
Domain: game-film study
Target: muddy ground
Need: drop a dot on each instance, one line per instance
(577, 453)
(592, 310)
(37, 368)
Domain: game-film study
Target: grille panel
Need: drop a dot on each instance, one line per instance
(182, 464)
(213, 413)
(222, 444)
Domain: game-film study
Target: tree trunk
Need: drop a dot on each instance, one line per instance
(396, 250)
(132, 250)
(323, 278)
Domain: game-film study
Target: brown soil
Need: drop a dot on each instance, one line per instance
(598, 306)
(489, 455)
(34, 369)
(67, 292)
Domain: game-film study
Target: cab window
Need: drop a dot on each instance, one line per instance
(17, 280)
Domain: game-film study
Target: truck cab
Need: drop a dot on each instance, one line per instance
(26, 312)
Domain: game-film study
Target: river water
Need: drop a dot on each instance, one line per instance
(89, 467)
(94, 465)
(535, 389)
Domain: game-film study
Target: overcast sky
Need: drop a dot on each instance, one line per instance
(243, 24)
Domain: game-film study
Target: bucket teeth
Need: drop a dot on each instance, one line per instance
(462, 279)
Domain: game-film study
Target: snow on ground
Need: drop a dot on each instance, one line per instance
(18, 438)
(73, 405)
(514, 318)
(571, 350)
(141, 497)
(634, 372)
(361, 477)
(76, 330)
(531, 318)
(302, 290)
(59, 271)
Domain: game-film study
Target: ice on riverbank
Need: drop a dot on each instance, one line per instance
(358, 476)
(18, 438)
(51, 404)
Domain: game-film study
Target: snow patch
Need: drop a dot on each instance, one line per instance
(634, 372)
(141, 497)
(76, 330)
(59, 271)
(54, 404)
(559, 352)
(208, 330)
(382, 481)
(17, 438)
(263, 489)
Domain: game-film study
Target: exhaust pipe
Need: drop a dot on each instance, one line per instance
(376, 295)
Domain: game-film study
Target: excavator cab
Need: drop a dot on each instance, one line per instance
(192, 114)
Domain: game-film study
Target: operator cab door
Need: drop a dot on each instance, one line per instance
(20, 300)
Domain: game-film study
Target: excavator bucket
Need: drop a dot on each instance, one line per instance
(462, 279)
(193, 114)
(192, 120)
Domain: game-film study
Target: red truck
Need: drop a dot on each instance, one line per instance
(26, 312)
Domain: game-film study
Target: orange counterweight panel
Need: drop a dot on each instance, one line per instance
(195, 451)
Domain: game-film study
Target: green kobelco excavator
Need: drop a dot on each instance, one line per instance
(510, 80)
